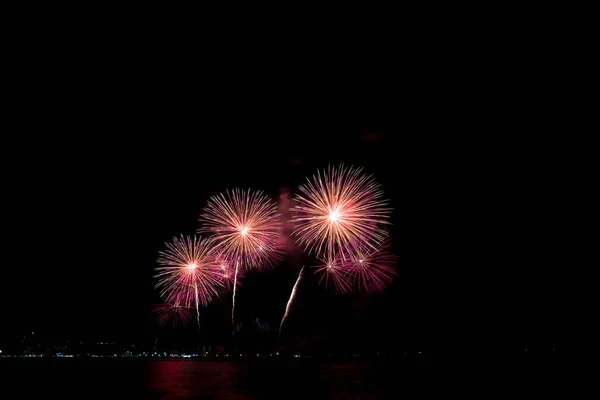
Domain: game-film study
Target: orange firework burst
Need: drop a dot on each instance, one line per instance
(189, 271)
(340, 212)
(245, 225)
(174, 311)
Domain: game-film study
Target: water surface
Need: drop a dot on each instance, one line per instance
(259, 378)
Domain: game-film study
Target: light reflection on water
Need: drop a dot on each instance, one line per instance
(175, 379)
(270, 379)
(306, 379)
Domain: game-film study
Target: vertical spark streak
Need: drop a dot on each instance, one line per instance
(292, 296)
(197, 305)
(233, 298)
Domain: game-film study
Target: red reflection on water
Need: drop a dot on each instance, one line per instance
(179, 379)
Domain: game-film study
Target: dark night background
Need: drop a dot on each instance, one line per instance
(108, 153)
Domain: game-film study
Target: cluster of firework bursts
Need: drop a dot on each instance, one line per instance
(340, 219)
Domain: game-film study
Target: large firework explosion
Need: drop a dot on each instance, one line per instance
(340, 211)
(245, 226)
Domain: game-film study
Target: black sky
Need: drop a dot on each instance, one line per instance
(108, 154)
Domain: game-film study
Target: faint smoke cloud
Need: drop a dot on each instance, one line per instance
(286, 204)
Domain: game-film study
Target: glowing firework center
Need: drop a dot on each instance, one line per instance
(335, 216)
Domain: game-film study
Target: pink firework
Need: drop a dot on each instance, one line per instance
(339, 212)
(228, 272)
(174, 312)
(372, 268)
(335, 274)
(245, 225)
(189, 271)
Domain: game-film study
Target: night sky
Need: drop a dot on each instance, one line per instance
(105, 162)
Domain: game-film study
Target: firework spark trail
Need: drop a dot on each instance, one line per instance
(292, 297)
(197, 305)
(233, 297)
(339, 211)
(228, 273)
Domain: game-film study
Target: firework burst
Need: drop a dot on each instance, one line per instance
(340, 211)
(246, 228)
(174, 312)
(334, 273)
(189, 272)
(372, 268)
(245, 225)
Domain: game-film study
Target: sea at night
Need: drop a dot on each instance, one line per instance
(251, 378)
(412, 376)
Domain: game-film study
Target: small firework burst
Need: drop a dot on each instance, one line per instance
(245, 226)
(174, 312)
(228, 272)
(340, 211)
(372, 268)
(334, 273)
